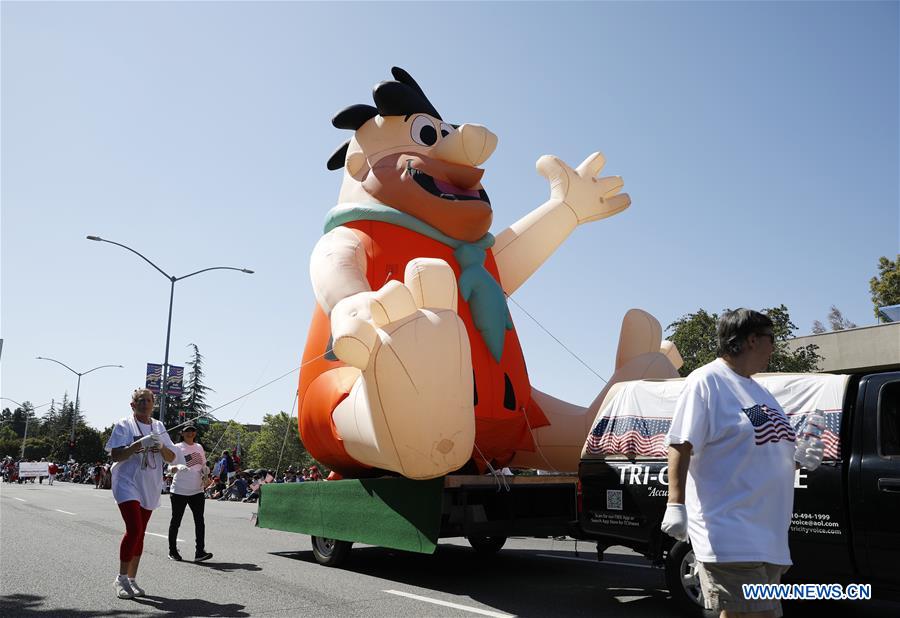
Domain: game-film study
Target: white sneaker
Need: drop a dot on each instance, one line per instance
(138, 591)
(123, 588)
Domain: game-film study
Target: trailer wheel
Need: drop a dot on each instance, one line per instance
(684, 582)
(330, 552)
(487, 544)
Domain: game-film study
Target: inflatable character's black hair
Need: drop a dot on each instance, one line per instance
(402, 97)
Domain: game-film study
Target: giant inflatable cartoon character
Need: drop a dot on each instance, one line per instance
(412, 364)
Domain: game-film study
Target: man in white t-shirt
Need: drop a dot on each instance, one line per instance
(732, 457)
(140, 448)
(187, 490)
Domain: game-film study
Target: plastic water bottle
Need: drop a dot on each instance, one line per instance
(813, 428)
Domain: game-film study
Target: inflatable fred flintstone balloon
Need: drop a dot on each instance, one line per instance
(412, 364)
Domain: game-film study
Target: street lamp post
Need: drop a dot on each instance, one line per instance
(27, 416)
(172, 279)
(77, 388)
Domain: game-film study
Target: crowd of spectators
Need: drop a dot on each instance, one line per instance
(96, 473)
(244, 485)
(226, 481)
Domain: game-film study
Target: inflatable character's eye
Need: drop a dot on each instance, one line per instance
(423, 132)
(446, 129)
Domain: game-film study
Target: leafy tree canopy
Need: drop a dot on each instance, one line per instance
(695, 336)
(278, 444)
(227, 436)
(885, 287)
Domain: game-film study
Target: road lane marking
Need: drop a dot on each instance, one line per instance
(466, 608)
(628, 564)
(62, 511)
(164, 536)
(19, 499)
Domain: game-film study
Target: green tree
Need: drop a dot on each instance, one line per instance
(278, 444)
(195, 390)
(36, 448)
(174, 409)
(226, 436)
(10, 442)
(16, 419)
(695, 336)
(885, 287)
(89, 444)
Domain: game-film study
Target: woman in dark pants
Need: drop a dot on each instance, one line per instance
(187, 490)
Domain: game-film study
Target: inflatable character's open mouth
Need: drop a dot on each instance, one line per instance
(443, 189)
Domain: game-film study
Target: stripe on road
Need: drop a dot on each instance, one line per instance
(163, 536)
(466, 608)
(19, 499)
(62, 511)
(628, 564)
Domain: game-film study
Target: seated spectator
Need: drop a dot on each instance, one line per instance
(237, 490)
(214, 488)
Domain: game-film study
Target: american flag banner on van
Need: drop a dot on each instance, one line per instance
(634, 417)
(630, 436)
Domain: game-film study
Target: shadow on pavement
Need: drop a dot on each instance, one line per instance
(31, 605)
(518, 581)
(190, 607)
(227, 567)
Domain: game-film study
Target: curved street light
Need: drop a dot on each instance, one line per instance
(77, 388)
(27, 416)
(172, 279)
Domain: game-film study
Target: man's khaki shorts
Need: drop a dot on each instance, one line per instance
(721, 584)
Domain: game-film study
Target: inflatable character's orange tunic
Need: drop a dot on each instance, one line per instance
(504, 409)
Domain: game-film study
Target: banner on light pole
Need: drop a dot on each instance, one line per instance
(175, 385)
(154, 377)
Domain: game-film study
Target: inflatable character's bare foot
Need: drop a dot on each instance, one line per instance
(411, 411)
(642, 354)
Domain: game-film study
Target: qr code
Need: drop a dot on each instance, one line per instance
(613, 499)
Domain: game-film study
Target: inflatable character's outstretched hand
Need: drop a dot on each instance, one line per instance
(412, 412)
(589, 197)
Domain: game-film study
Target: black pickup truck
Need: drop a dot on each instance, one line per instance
(846, 520)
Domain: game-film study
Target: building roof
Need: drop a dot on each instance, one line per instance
(855, 350)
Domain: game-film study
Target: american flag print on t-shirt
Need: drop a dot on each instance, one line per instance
(769, 424)
(193, 459)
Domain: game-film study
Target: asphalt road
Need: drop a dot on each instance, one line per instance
(60, 556)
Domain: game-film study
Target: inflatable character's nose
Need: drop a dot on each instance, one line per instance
(471, 144)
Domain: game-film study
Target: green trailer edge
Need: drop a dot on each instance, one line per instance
(398, 513)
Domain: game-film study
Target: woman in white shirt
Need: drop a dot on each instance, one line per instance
(140, 447)
(187, 490)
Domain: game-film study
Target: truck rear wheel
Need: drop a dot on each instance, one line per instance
(487, 544)
(330, 552)
(684, 582)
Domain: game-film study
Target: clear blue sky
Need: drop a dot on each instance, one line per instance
(759, 143)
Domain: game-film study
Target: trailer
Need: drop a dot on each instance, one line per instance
(404, 514)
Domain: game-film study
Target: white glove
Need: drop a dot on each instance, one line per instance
(148, 441)
(809, 455)
(675, 521)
